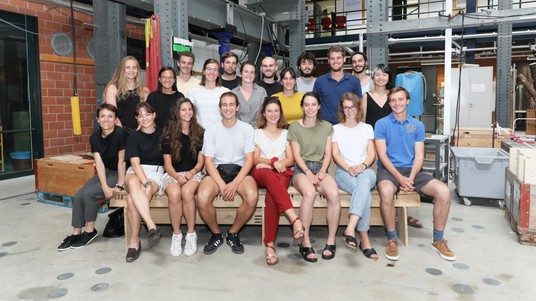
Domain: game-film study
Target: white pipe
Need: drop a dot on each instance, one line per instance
(448, 70)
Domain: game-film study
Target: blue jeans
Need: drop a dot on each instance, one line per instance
(359, 187)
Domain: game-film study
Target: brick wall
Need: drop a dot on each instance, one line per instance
(57, 75)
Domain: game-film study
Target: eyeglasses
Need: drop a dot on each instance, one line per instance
(212, 69)
(167, 77)
(348, 108)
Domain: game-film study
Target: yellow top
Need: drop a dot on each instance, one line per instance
(291, 106)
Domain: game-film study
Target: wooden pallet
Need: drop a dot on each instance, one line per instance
(66, 201)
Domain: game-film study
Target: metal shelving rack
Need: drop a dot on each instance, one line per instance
(438, 166)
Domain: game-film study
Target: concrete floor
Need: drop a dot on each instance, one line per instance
(491, 264)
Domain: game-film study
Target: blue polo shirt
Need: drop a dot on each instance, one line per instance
(400, 138)
(330, 92)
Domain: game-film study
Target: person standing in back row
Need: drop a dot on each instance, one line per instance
(185, 80)
(165, 96)
(269, 76)
(332, 85)
(229, 63)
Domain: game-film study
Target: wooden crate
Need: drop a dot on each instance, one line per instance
(531, 124)
(62, 177)
(480, 137)
(520, 199)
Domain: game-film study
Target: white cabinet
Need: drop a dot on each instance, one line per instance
(476, 97)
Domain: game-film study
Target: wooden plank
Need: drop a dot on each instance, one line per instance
(64, 178)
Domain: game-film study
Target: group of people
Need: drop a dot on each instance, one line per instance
(226, 135)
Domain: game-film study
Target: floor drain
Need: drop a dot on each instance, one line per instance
(65, 276)
(57, 293)
(461, 266)
(491, 281)
(9, 244)
(103, 270)
(463, 289)
(99, 287)
(434, 272)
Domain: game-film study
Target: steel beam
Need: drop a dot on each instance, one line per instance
(173, 22)
(527, 14)
(503, 112)
(377, 43)
(110, 41)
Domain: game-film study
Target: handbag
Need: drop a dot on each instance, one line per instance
(115, 227)
(228, 172)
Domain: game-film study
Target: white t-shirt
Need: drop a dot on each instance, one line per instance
(353, 142)
(228, 145)
(305, 85)
(207, 104)
(271, 148)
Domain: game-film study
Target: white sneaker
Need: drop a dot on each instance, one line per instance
(176, 245)
(191, 244)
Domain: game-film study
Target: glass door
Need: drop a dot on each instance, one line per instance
(21, 134)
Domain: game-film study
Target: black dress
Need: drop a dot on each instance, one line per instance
(375, 112)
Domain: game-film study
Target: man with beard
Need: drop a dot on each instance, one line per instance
(332, 85)
(359, 64)
(306, 65)
(229, 61)
(269, 79)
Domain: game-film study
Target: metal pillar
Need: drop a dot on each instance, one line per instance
(297, 32)
(503, 111)
(173, 22)
(377, 51)
(110, 41)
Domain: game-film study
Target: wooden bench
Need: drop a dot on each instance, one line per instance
(226, 211)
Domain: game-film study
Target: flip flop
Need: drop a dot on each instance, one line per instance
(330, 248)
(414, 222)
(269, 256)
(349, 239)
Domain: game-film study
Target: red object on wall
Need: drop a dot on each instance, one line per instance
(311, 26)
(152, 52)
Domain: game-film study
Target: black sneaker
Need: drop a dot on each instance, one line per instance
(66, 244)
(213, 243)
(233, 240)
(84, 239)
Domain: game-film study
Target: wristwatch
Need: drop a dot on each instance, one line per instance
(147, 184)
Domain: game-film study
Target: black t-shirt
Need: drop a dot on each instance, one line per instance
(108, 147)
(126, 108)
(271, 89)
(188, 160)
(162, 103)
(146, 147)
(231, 84)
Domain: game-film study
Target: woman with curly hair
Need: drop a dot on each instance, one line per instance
(182, 141)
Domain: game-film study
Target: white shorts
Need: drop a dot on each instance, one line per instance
(166, 179)
(152, 172)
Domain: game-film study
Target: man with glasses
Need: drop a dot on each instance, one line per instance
(228, 170)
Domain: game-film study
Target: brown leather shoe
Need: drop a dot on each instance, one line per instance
(133, 254)
(154, 237)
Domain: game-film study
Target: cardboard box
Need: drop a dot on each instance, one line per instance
(63, 175)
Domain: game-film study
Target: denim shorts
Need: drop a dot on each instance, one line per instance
(314, 167)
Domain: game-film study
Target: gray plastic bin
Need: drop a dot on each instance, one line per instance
(480, 172)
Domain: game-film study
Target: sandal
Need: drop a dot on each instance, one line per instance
(414, 222)
(348, 239)
(305, 252)
(270, 257)
(369, 252)
(300, 232)
(330, 248)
